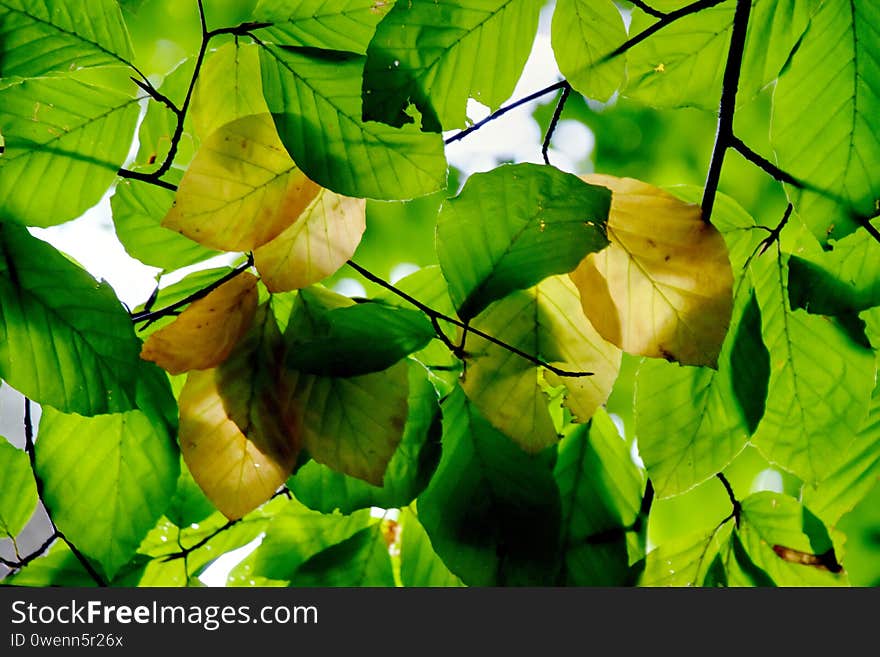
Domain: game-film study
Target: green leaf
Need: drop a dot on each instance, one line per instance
(346, 25)
(57, 36)
(434, 54)
(18, 490)
(58, 566)
(684, 561)
(409, 470)
(350, 340)
(601, 491)
(315, 99)
(511, 391)
(65, 140)
(820, 382)
(419, 564)
(106, 480)
(513, 226)
(189, 505)
(362, 560)
(294, 535)
(786, 541)
(491, 510)
(750, 365)
(138, 209)
(823, 123)
(65, 340)
(584, 31)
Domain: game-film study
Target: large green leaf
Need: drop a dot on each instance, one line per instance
(409, 470)
(106, 480)
(684, 561)
(491, 510)
(65, 340)
(65, 140)
(362, 560)
(787, 542)
(346, 25)
(513, 226)
(138, 209)
(189, 505)
(824, 117)
(584, 31)
(820, 382)
(315, 99)
(419, 564)
(57, 36)
(512, 392)
(332, 336)
(601, 491)
(18, 490)
(435, 54)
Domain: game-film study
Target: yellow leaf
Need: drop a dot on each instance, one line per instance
(315, 246)
(205, 333)
(237, 471)
(663, 287)
(242, 189)
(511, 392)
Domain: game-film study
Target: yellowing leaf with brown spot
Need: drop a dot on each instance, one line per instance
(242, 188)
(315, 246)
(510, 391)
(205, 333)
(663, 287)
(238, 438)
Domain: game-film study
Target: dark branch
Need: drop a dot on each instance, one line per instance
(185, 552)
(24, 561)
(656, 13)
(566, 90)
(775, 232)
(239, 30)
(504, 110)
(763, 163)
(727, 107)
(737, 508)
(157, 95)
(666, 20)
(151, 316)
(456, 350)
(150, 178)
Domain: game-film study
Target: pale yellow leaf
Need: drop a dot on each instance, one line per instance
(204, 334)
(242, 189)
(237, 471)
(663, 287)
(510, 391)
(315, 246)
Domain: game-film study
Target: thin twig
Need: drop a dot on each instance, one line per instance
(656, 13)
(775, 232)
(150, 178)
(727, 106)
(566, 90)
(763, 163)
(665, 21)
(504, 110)
(435, 315)
(185, 552)
(737, 507)
(24, 561)
(151, 316)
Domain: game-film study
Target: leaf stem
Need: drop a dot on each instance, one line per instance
(737, 507)
(566, 90)
(727, 106)
(456, 350)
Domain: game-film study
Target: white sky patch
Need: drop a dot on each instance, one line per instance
(768, 479)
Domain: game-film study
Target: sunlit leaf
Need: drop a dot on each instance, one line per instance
(419, 564)
(315, 99)
(18, 490)
(57, 36)
(106, 480)
(433, 54)
(663, 286)
(207, 330)
(820, 382)
(362, 560)
(513, 226)
(583, 32)
(346, 25)
(189, 505)
(509, 390)
(241, 190)
(824, 109)
(684, 561)
(65, 340)
(492, 511)
(315, 246)
(601, 493)
(65, 140)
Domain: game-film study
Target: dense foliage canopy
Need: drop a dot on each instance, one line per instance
(656, 368)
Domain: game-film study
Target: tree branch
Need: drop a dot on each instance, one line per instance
(504, 110)
(737, 507)
(566, 90)
(456, 350)
(656, 13)
(151, 316)
(727, 107)
(24, 561)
